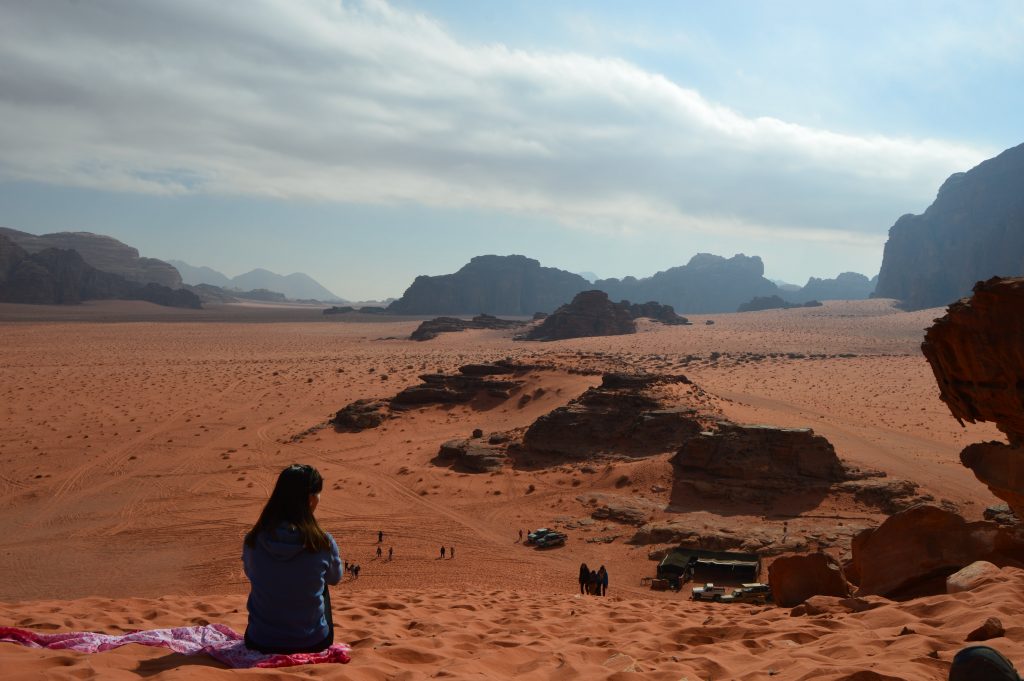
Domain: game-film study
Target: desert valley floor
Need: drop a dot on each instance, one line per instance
(137, 447)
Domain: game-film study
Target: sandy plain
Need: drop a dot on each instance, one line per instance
(137, 445)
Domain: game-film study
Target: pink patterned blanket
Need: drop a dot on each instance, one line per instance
(216, 640)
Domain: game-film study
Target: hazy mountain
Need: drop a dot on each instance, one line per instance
(102, 252)
(296, 286)
(492, 284)
(708, 283)
(193, 276)
(589, 276)
(973, 230)
(62, 276)
(846, 286)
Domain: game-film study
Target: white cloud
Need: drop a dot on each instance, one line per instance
(362, 102)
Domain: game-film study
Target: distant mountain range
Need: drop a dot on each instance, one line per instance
(517, 285)
(974, 230)
(295, 286)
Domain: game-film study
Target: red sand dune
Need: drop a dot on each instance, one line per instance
(135, 454)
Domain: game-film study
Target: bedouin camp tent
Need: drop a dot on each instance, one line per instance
(684, 564)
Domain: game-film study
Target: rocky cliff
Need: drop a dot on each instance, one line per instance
(708, 283)
(493, 284)
(56, 276)
(973, 230)
(591, 313)
(102, 252)
(977, 356)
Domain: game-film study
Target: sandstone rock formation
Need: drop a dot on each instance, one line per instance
(55, 276)
(627, 415)
(102, 252)
(971, 577)
(755, 463)
(591, 313)
(795, 578)
(772, 303)
(973, 230)
(707, 283)
(977, 355)
(431, 328)
(913, 552)
(508, 285)
(360, 415)
(471, 456)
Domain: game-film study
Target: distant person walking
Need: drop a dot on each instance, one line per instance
(584, 577)
(379, 552)
(593, 587)
(442, 553)
(451, 552)
(602, 578)
(520, 536)
(380, 536)
(391, 552)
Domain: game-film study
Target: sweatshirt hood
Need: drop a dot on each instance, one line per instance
(282, 543)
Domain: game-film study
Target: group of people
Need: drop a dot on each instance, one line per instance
(391, 552)
(451, 551)
(352, 569)
(593, 582)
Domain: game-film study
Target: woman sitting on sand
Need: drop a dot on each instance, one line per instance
(290, 561)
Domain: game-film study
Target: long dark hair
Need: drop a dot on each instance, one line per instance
(289, 503)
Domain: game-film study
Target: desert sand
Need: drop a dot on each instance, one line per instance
(137, 446)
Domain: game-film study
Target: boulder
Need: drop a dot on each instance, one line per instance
(914, 551)
(796, 578)
(990, 628)
(470, 456)
(835, 605)
(620, 513)
(452, 389)
(590, 313)
(974, 575)
(976, 354)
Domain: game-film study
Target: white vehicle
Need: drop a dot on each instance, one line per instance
(708, 592)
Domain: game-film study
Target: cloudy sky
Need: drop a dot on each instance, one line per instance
(365, 142)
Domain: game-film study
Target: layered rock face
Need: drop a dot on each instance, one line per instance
(493, 284)
(55, 276)
(706, 284)
(976, 352)
(974, 230)
(105, 253)
(755, 463)
(627, 415)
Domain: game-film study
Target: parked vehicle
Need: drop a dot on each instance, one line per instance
(708, 592)
(551, 539)
(749, 593)
(536, 534)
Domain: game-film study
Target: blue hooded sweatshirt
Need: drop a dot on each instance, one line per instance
(286, 603)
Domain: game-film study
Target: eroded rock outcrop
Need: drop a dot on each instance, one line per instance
(592, 313)
(913, 552)
(796, 578)
(755, 463)
(976, 352)
(431, 328)
(472, 455)
(627, 415)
